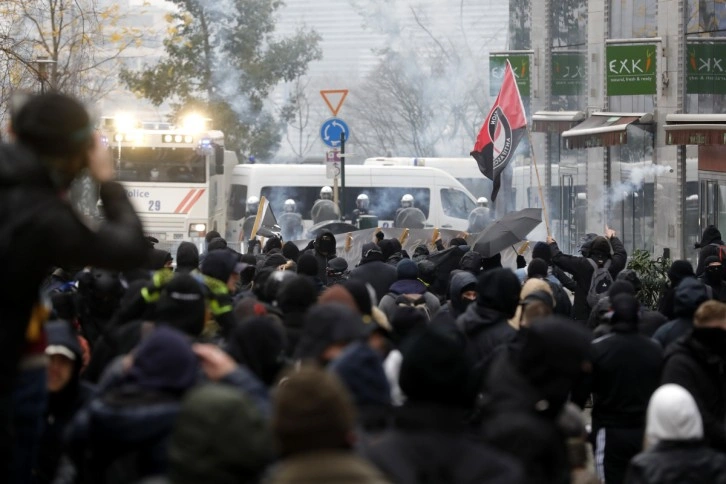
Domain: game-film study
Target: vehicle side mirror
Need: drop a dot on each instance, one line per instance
(219, 159)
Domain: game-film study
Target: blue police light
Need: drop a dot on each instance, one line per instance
(205, 142)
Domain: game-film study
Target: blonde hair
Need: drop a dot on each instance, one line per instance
(532, 285)
(710, 312)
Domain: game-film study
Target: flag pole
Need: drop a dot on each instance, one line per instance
(539, 183)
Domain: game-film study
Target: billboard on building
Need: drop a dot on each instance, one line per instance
(631, 69)
(521, 63)
(569, 73)
(705, 68)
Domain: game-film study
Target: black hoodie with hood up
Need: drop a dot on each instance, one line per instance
(709, 245)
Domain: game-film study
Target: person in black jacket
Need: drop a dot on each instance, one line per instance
(625, 372)
(709, 245)
(55, 142)
(696, 362)
(373, 270)
(67, 394)
(526, 388)
(679, 270)
(690, 294)
(430, 441)
(713, 277)
(582, 270)
(485, 322)
(675, 451)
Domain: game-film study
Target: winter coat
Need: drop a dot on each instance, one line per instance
(626, 371)
(325, 467)
(689, 294)
(40, 230)
(409, 287)
(678, 463)
(709, 245)
(431, 444)
(582, 271)
(485, 329)
(650, 321)
(515, 423)
(128, 430)
(699, 370)
(675, 450)
(376, 273)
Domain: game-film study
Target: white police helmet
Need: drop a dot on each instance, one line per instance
(362, 201)
(326, 193)
(482, 202)
(407, 200)
(289, 205)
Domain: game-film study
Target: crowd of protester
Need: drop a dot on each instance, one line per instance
(123, 364)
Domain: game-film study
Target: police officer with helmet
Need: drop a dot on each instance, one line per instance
(362, 204)
(480, 217)
(291, 222)
(324, 208)
(253, 204)
(408, 216)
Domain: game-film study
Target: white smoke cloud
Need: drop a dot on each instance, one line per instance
(637, 178)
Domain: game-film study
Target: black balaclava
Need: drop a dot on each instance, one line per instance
(713, 274)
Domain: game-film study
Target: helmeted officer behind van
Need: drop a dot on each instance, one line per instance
(480, 217)
(408, 216)
(362, 204)
(253, 204)
(291, 222)
(324, 208)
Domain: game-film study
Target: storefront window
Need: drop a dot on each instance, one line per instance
(630, 19)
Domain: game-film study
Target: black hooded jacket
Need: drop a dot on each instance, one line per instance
(675, 462)
(690, 293)
(39, 230)
(701, 370)
(582, 271)
(485, 322)
(709, 245)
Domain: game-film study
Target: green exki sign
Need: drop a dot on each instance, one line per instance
(631, 69)
(706, 68)
(520, 68)
(569, 73)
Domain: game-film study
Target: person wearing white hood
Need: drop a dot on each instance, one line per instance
(675, 449)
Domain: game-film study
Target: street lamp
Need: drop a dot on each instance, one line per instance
(42, 64)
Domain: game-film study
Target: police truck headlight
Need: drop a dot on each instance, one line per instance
(197, 230)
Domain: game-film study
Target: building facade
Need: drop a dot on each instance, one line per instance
(626, 101)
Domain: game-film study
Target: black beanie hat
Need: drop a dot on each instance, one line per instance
(386, 246)
(216, 244)
(187, 257)
(290, 251)
(471, 262)
(54, 125)
(181, 305)
(272, 243)
(406, 269)
(600, 249)
(435, 367)
(498, 289)
(493, 262)
(537, 268)
(307, 265)
(626, 309)
(679, 270)
(541, 250)
(620, 287)
(710, 235)
(211, 235)
(405, 321)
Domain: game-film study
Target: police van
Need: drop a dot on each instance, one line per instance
(444, 201)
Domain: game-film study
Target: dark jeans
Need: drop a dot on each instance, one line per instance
(614, 447)
(28, 409)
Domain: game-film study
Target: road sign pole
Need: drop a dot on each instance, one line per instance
(342, 174)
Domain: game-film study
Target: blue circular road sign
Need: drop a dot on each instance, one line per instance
(331, 130)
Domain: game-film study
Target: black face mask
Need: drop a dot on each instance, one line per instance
(713, 274)
(712, 338)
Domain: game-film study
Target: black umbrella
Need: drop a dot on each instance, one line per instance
(507, 231)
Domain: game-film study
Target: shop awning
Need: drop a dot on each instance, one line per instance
(605, 129)
(555, 121)
(695, 129)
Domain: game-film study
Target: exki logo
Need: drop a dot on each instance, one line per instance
(569, 72)
(631, 66)
(708, 65)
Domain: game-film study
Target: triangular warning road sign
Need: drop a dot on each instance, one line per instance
(332, 94)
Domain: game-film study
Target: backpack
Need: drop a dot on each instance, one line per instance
(721, 251)
(599, 283)
(416, 301)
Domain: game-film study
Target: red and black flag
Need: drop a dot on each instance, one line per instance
(502, 129)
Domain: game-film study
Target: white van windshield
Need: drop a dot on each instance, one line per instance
(456, 203)
(159, 165)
